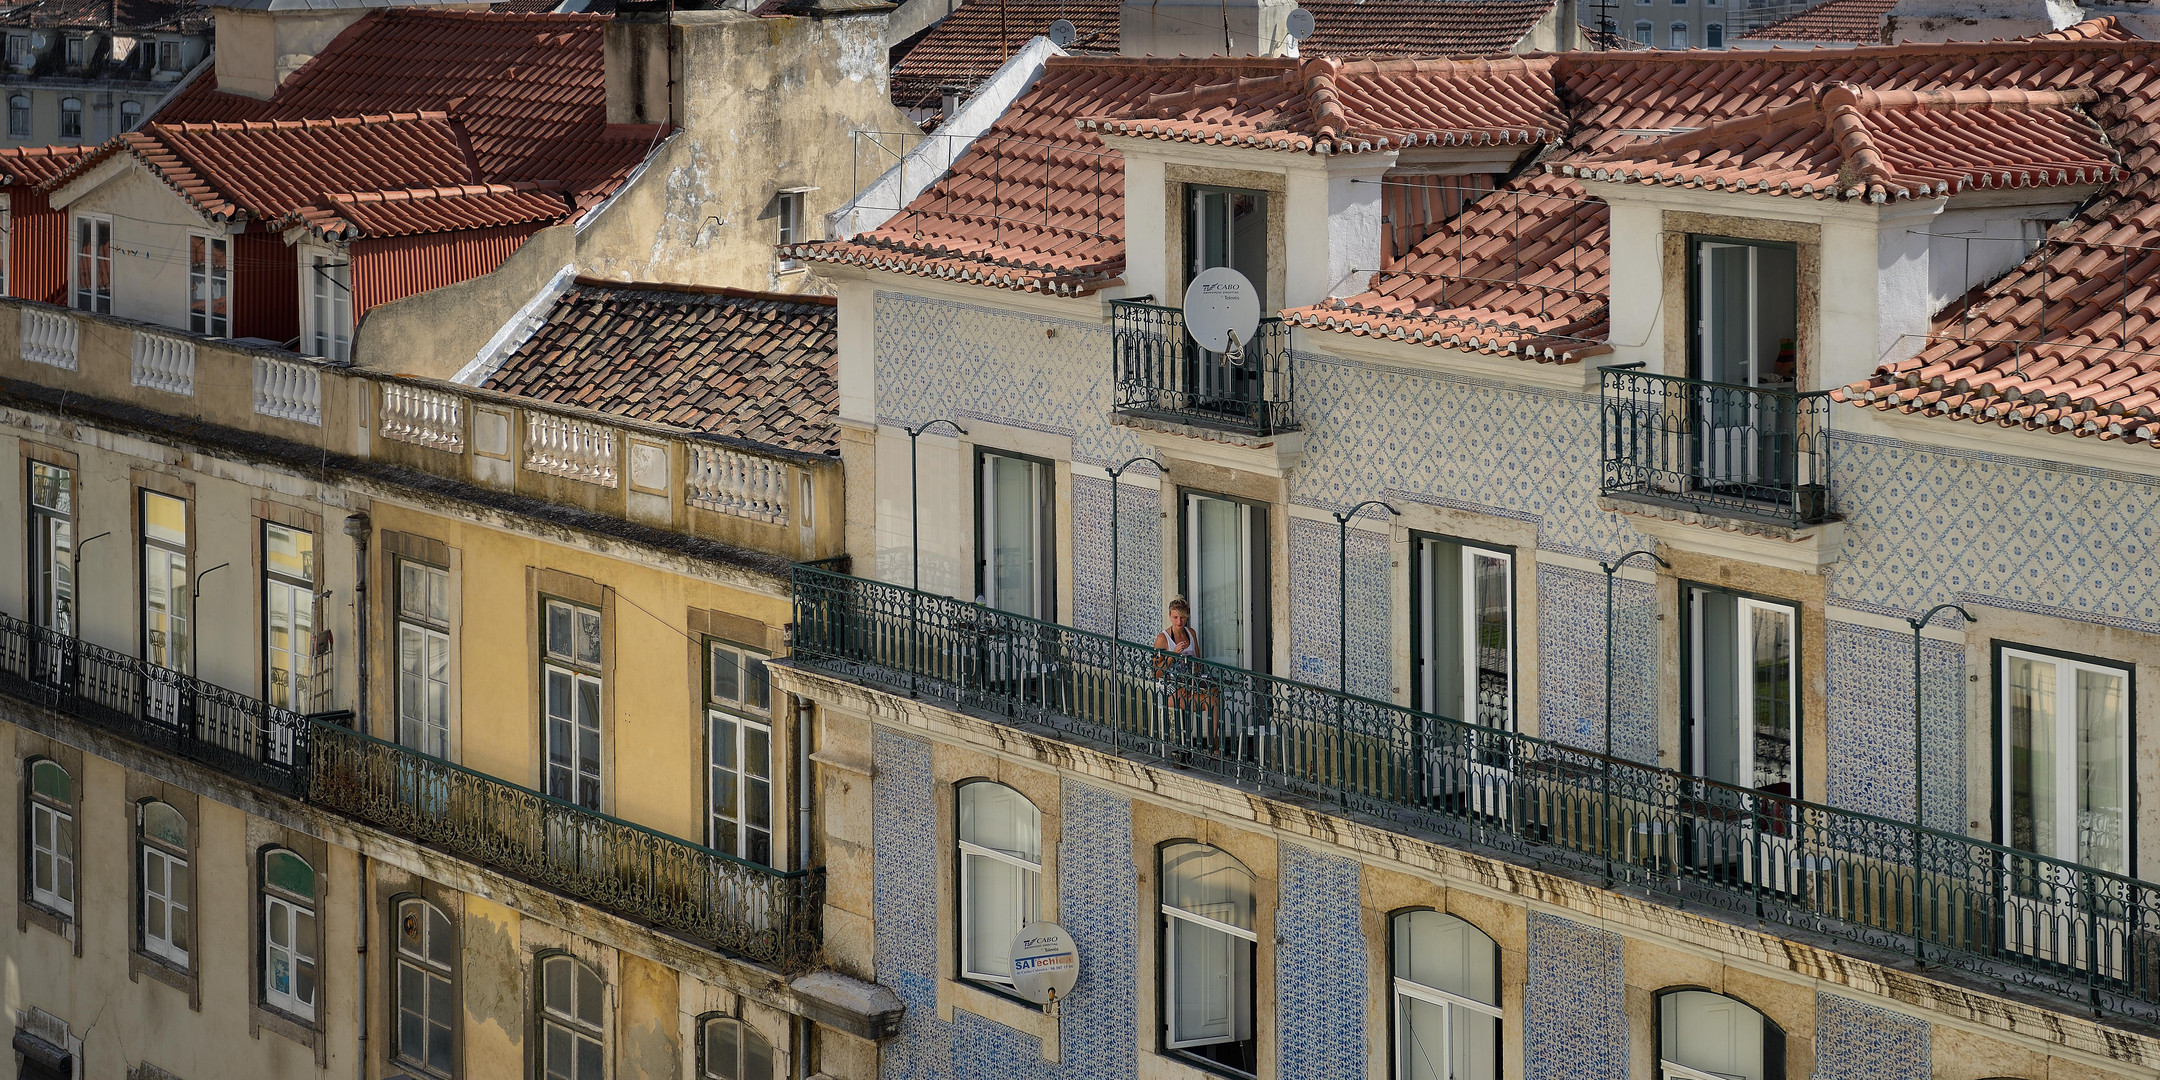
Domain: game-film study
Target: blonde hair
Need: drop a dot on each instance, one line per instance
(1177, 603)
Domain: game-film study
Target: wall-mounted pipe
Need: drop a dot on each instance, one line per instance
(360, 528)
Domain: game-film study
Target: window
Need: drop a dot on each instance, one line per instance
(209, 282)
(423, 643)
(2066, 754)
(1014, 563)
(1465, 598)
(733, 1050)
(740, 751)
(1208, 947)
(572, 1043)
(788, 205)
(52, 837)
(78, 51)
(288, 956)
(52, 547)
(167, 928)
(70, 118)
(18, 115)
(168, 59)
(93, 261)
(572, 674)
(18, 52)
(131, 116)
(1226, 579)
(1743, 720)
(1000, 876)
(166, 586)
(330, 306)
(1706, 1036)
(1679, 33)
(1447, 999)
(1226, 227)
(1643, 29)
(1714, 35)
(426, 1004)
(288, 614)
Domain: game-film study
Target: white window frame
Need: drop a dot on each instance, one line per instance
(2069, 770)
(131, 115)
(1677, 35)
(18, 50)
(326, 302)
(1669, 1068)
(788, 207)
(1041, 514)
(970, 908)
(77, 113)
(52, 551)
(733, 716)
(90, 297)
(575, 1027)
(52, 844)
(1468, 708)
(297, 596)
(178, 62)
(19, 116)
(157, 934)
(419, 726)
(422, 966)
(1253, 586)
(1645, 31)
(746, 1037)
(210, 282)
(1448, 1002)
(1743, 663)
(1175, 917)
(574, 672)
(286, 911)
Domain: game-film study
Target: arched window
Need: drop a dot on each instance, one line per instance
(71, 118)
(1643, 29)
(1447, 999)
(729, 1049)
(1706, 1036)
(1207, 949)
(1679, 35)
(289, 934)
(167, 892)
(52, 837)
(573, 1042)
(1000, 876)
(130, 115)
(426, 991)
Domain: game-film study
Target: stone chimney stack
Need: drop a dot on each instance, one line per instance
(260, 43)
(1203, 27)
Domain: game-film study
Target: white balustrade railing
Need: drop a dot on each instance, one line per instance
(163, 362)
(48, 337)
(288, 391)
(578, 449)
(733, 482)
(416, 414)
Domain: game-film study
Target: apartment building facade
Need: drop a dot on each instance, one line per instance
(78, 73)
(1556, 705)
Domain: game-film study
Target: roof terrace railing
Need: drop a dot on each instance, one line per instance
(2006, 915)
(1734, 451)
(766, 915)
(1162, 373)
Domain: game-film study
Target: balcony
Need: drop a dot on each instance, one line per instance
(2007, 916)
(1721, 449)
(764, 915)
(1164, 375)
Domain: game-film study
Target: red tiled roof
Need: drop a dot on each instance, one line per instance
(2107, 28)
(1851, 142)
(265, 170)
(184, 16)
(29, 166)
(1321, 105)
(757, 366)
(1845, 22)
(350, 215)
(978, 37)
(529, 92)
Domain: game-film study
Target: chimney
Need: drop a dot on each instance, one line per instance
(1203, 27)
(260, 43)
(640, 63)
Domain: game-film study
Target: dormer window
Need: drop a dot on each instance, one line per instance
(168, 57)
(1227, 227)
(78, 51)
(1746, 312)
(18, 50)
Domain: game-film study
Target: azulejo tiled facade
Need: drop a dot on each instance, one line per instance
(1857, 1041)
(1320, 964)
(1574, 1003)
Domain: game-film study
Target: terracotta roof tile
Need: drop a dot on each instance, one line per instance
(344, 216)
(756, 366)
(181, 16)
(29, 166)
(977, 38)
(1834, 22)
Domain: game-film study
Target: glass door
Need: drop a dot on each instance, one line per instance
(1227, 227)
(166, 602)
(1744, 732)
(1746, 306)
(1226, 575)
(1466, 667)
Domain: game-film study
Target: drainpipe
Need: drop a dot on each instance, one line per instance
(804, 713)
(360, 1001)
(358, 527)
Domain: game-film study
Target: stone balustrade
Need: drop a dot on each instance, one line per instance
(48, 337)
(163, 362)
(566, 446)
(733, 482)
(423, 417)
(288, 390)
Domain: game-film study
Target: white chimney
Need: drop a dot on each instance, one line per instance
(1203, 27)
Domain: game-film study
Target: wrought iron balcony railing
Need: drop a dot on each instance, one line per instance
(2006, 915)
(765, 915)
(1163, 373)
(1735, 451)
(238, 735)
(753, 911)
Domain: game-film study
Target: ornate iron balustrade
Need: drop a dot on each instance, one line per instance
(740, 907)
(765, 915)
(238, 735)
(2003, 914)
(1164, 374)
(1736, 451)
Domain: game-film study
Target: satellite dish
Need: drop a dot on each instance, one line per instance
(1063, 33)
(1045, 962)
(1300, 23)
(1222, 311)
